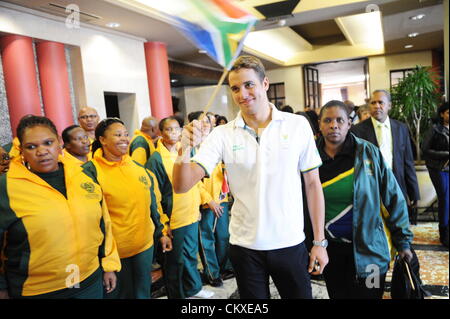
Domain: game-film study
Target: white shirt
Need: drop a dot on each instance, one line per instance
(264, 178)
(384, 138)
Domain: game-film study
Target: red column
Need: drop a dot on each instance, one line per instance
(54, 83)
(158, 79)
(19, 71)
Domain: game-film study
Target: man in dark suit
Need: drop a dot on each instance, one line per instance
(392, 137)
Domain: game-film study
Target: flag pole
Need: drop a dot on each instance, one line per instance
(213, 96)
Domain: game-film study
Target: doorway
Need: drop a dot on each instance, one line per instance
(339, 80)
(123, 106)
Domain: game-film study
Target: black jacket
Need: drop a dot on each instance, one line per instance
(403, 160)
(435, 147)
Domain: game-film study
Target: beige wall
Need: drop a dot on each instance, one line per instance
(111, 62)
(196, 98)
(379, 67)
(293, 85)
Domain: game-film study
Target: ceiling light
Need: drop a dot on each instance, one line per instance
(113, 25)
(413, 34)
(418, 17)
(281, 23)
(363, 29)
(174, 80)
(408, 46)
(280, 44)
(202, 51)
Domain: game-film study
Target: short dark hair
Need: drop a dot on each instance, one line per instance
(100, 130)
(249, 62)
(164, 120)
(334, 103)
(194, 115)
(287, 108)
(220, 118)
(29, 121)
(388, 95)
(442, 108)
(66, 133)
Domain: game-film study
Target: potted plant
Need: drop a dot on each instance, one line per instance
(414, 102)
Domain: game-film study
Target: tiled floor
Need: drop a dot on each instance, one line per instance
(434, 268)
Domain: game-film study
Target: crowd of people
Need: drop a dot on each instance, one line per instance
(91, 214)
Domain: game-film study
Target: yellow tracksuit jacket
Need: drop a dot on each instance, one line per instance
(213, 185)
(181, 209)
(132, 204)
(47, 233)
(69, 159)
(141, 147)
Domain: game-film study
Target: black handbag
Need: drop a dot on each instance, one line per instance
(406, 283)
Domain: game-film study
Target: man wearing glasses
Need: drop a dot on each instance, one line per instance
(88, 119)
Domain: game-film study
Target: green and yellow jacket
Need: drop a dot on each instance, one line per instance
(46, 233)
(380, 215)
(213, 185)
(181, 209)
(141, 147)
(69, 159)
(129, 193)
(13, 148)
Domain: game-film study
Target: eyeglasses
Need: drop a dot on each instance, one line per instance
(85, 117)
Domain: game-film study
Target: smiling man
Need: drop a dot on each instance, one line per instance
(264, 151)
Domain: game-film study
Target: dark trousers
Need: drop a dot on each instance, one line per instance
(90, 288)
(180, 267)
(440, 183)
(134, 281)
(340, 276)
(214, 243)
(287, 267)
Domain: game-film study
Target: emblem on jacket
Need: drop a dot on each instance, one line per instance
(89, 187)
(368, 167)
(143, 180)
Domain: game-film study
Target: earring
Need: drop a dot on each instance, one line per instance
(26, 164)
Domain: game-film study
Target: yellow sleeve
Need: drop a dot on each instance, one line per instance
(205, 196)
(139, 155)
(162, 217)
(111, 260)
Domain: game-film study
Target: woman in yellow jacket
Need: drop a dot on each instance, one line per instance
(129, 194)
(77, 149)
(56, 227)
(180, 267)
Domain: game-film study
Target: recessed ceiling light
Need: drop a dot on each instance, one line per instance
(413, 34)
(418, 17)
(113, 25)
(408, 46)
(202, 51)
(281, 23)
(174, 80)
